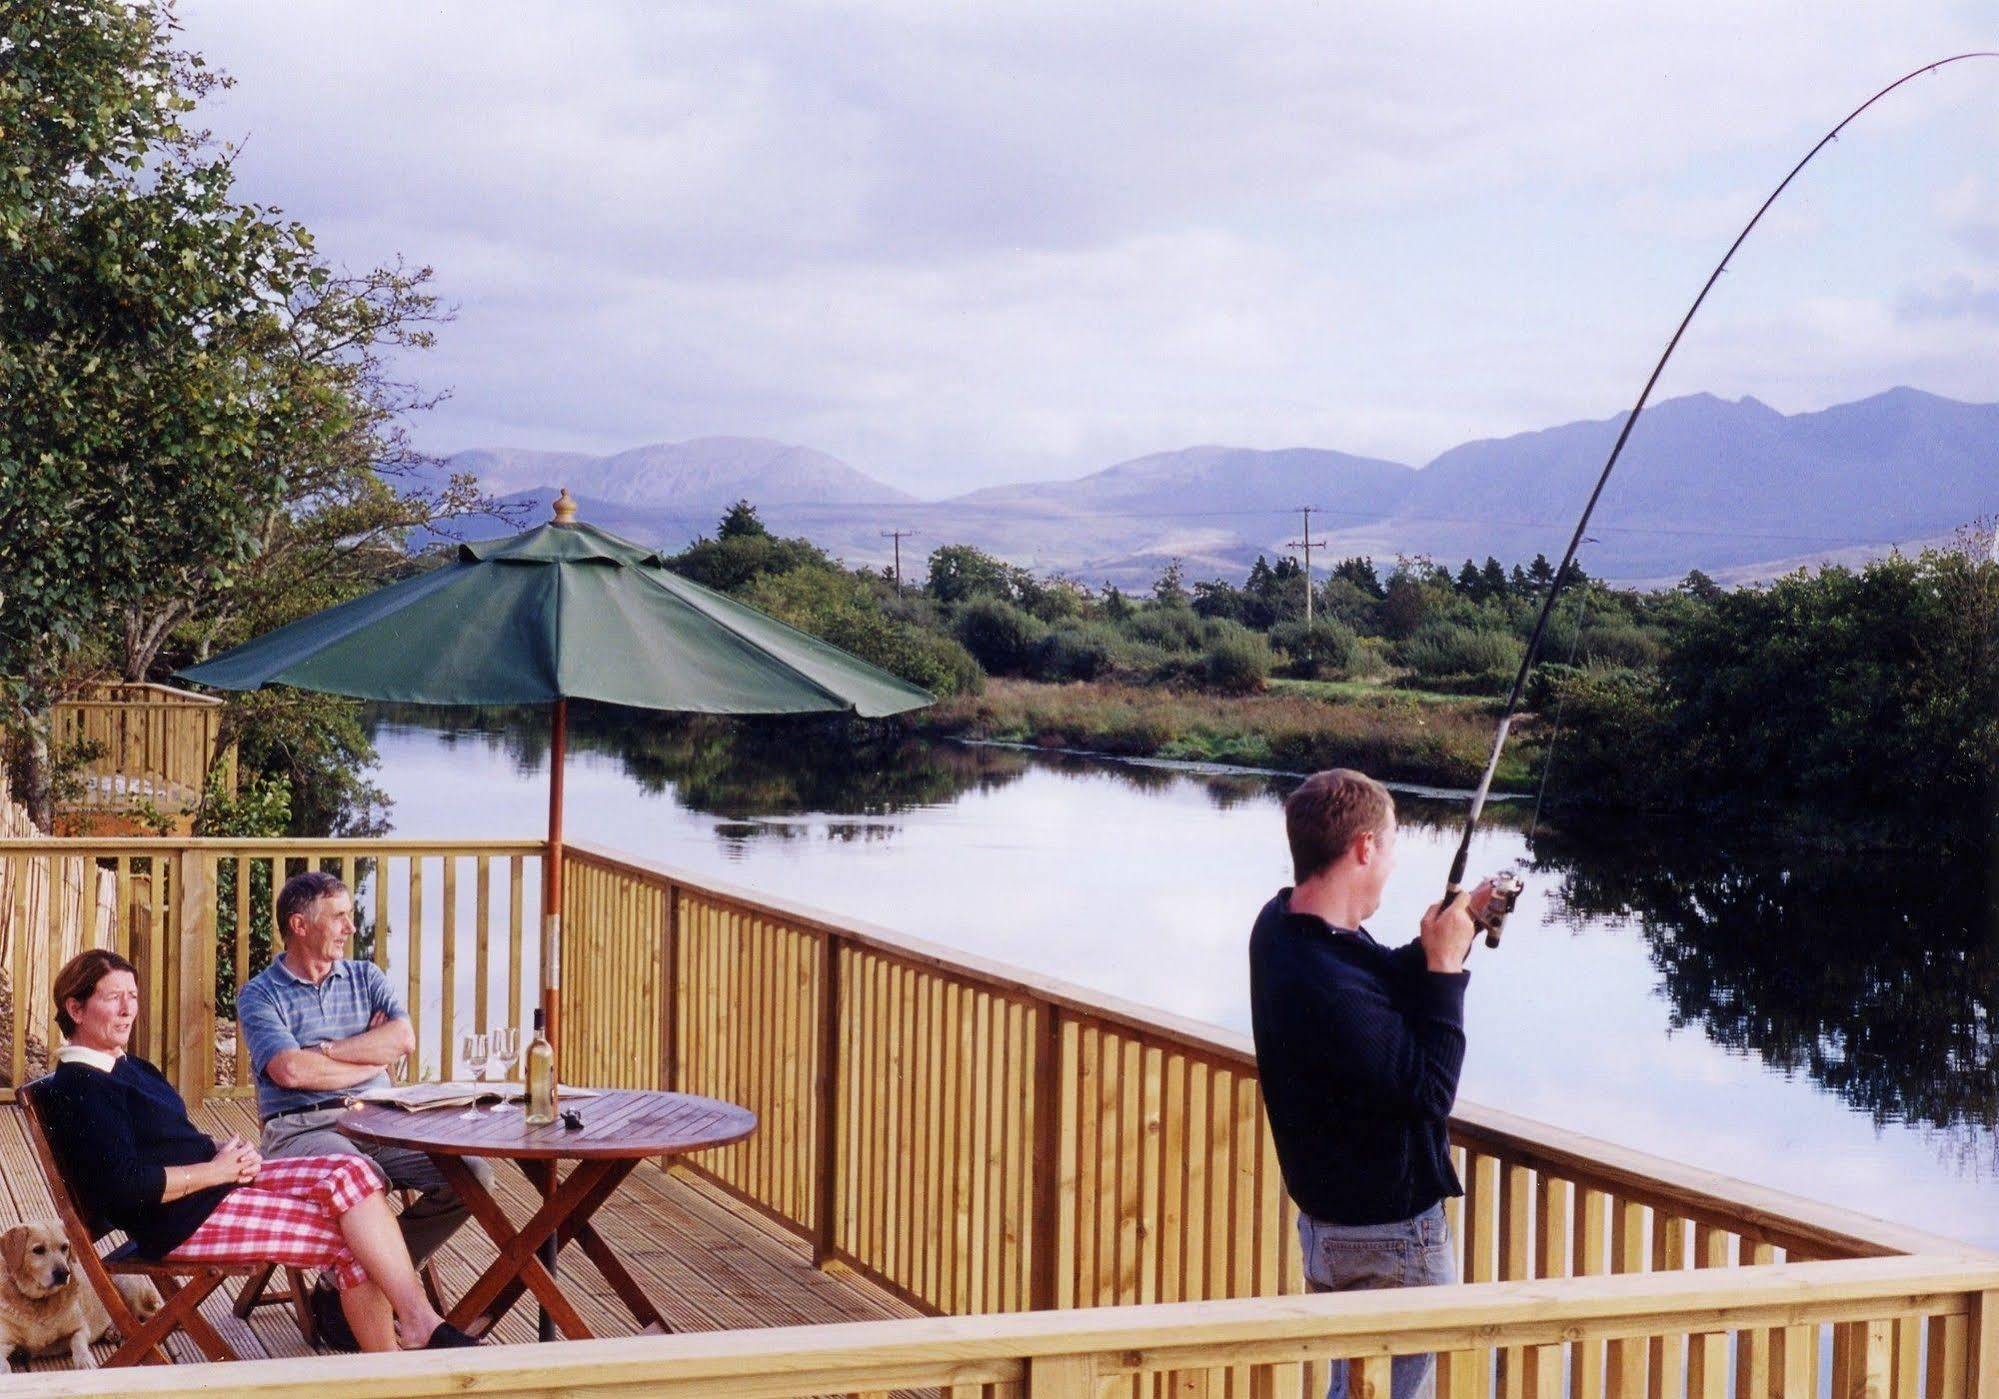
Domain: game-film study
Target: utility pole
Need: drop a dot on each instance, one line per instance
(1306, 543)
(898, 535)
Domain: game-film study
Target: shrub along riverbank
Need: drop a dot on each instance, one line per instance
(1398, 739)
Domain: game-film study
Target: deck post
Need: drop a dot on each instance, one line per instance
(826, 1109)
(193, 1034)
(1046, 1163)
(1982, 1352)
(669, 994)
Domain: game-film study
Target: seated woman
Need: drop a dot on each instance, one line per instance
(124, 1142)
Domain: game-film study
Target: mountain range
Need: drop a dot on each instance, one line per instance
(1735, 488)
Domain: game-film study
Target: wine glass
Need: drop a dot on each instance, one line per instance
(475, 1050)
(506, 1049)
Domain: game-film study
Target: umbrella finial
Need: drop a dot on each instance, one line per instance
(565, 508)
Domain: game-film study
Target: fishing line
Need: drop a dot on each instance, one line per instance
(1555, 736)
(1455, 883)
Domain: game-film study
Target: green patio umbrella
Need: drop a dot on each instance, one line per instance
(565, 611)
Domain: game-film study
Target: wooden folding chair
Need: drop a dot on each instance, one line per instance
(183, 1286)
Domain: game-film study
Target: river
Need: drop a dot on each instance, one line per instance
(1813, 1021)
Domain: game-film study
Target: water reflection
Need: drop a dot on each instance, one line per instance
(1877, 976)
(744, 770)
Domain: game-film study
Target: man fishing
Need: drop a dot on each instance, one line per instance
(1358, 1047)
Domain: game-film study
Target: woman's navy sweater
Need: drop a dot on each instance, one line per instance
(114, 1135)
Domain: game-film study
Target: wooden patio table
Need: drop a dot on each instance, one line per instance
(621, 1127)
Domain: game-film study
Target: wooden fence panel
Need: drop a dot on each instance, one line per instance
(749, 989)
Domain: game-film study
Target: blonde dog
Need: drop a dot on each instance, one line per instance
(44, 1304)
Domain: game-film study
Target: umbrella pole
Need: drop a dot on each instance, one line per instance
(551, 885)
(551, 938)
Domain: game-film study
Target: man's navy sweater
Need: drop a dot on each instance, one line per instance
(1358, 1048)
(114, 1135)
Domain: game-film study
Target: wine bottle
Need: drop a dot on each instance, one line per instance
(541, 1077)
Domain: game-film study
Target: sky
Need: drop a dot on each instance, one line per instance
(958, 245)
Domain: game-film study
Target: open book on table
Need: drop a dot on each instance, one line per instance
(418, 1097)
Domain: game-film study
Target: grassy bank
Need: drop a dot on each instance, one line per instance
(1384, 733)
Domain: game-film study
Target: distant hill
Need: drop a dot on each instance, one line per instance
(1735, 488)
(707, 473)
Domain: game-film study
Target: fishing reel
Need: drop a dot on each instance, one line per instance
(1506, 889)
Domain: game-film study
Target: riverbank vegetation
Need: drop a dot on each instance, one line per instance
(1858, 701)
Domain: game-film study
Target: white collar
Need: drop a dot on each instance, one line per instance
(84, 1054)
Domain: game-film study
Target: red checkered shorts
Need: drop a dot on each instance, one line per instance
(289, 1214)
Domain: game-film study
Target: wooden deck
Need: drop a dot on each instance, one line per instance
(708, 1263)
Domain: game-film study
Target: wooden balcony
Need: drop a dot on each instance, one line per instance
(150, 749)
(1072, 1195)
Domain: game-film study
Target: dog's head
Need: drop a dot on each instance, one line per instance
(36, 1257)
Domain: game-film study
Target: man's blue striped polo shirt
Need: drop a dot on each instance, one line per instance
(278, 1011)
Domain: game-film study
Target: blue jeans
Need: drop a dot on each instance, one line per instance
(1359, 1257)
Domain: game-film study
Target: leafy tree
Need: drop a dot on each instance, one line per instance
(1700, 587)
(959, 572)
(1237, 661)
(351, 491)
(1169, 588)
(1404, 605)
(141, 342)
(1494, 579)
(1470, 583)
(1219, 598)
(847, 610)
(1360, 572)
(1540, 573)
(1003, 638)
(737, 563)
(741, 521)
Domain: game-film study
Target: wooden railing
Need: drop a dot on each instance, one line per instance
(153, 746)
(1188, 1349)
(451, 923)
(981, 1140)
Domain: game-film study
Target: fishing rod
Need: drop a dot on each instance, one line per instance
(1505, 893)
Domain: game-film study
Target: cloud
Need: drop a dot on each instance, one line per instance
(955, 244)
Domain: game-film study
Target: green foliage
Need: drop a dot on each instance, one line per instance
(1615, 744)
(741, 521)
(260, 808)
(1866, 694)
(1169, 589)
(736, 563)
(317, 747)
(201, 438)
(1447, 654)
(844, 609)
(1359, 573)
(1325, 650)
(959, 573)
(1001, 637)
(1077, 651)
(1169, 628)
(1237, 661)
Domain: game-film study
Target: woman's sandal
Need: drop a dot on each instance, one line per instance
(449, 1337)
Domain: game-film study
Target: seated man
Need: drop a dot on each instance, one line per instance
(320, 1027)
